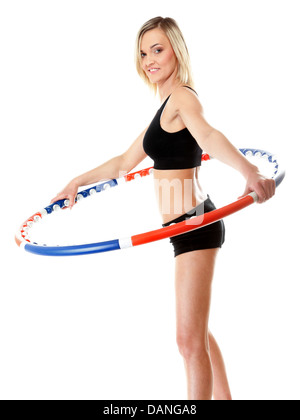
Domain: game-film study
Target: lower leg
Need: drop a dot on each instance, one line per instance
(221, 390)
(199, 375)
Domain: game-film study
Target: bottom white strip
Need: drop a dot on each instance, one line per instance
(125, 243)
(254, 196)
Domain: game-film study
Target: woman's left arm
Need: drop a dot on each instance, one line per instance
(218, 146)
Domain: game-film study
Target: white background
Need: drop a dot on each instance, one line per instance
(103, 326)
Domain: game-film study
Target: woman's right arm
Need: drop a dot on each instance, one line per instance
(113, 168)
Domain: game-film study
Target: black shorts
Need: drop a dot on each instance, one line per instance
(207, 237)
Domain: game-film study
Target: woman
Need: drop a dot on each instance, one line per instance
(175, 140)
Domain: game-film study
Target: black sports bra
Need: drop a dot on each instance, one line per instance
(177, 150)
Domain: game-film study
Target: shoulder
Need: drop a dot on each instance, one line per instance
(185, 100)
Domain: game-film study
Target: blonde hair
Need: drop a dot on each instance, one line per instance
(171, 29)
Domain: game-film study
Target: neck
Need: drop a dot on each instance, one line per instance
(166, 87)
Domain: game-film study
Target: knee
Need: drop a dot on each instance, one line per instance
(191, 346)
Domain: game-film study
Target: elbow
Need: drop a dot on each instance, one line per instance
(124, 165)
(206, 140)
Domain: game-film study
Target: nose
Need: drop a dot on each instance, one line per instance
(149, 61)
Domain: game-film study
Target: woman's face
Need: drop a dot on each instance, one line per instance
(157, 56)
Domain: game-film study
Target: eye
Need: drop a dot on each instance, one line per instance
(158, 50)
(143, 55)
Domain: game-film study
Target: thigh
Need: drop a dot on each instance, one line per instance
(193, 279)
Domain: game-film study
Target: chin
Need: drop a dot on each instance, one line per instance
(156, 80)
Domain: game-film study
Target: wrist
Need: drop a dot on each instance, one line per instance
(76, 182)
(249, 170)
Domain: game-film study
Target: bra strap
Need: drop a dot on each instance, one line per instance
(191, 89)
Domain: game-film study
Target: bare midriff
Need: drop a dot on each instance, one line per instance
(177, 191)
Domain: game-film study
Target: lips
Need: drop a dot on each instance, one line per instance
(153, 70)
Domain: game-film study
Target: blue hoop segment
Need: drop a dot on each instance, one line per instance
(22, 238)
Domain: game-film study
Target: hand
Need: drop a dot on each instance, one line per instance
(262, 186)
(69, 192)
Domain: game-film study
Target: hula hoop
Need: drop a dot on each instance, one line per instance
(23, 241)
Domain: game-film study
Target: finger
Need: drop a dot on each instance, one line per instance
(246, 192)
(72, 202)
(262, 195)
(270, 187)
(57, 198)
(269, 192)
